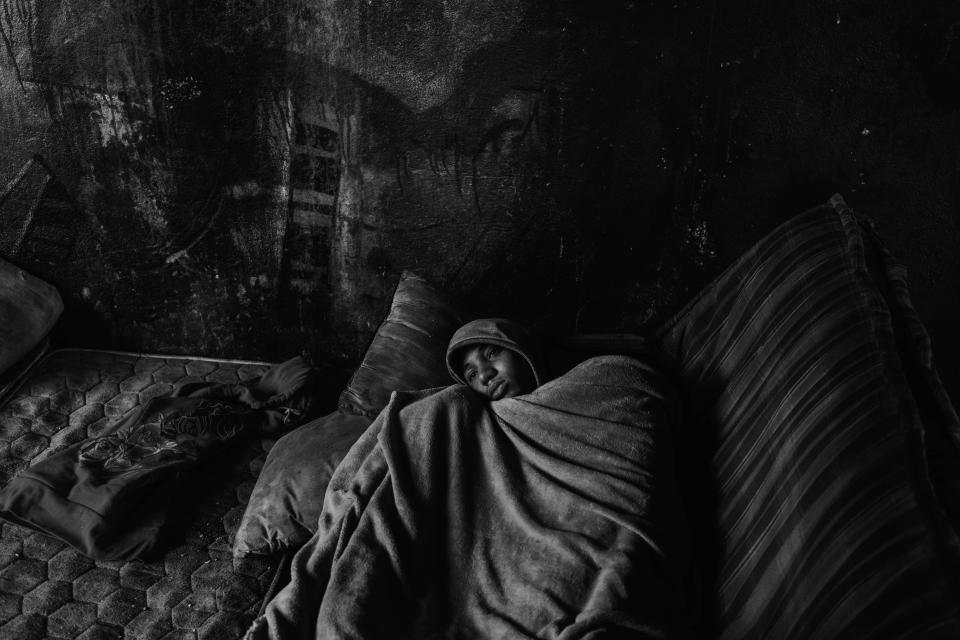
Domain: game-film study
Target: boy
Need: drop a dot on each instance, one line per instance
(495, 357)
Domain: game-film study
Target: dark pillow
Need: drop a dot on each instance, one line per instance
(408, 349)
(286, 501)
(407, 352)
(810, 392)
(29, 307)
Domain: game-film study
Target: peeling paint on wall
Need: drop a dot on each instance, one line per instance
(110, 119)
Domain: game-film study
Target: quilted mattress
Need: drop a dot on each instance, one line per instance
(197, 590)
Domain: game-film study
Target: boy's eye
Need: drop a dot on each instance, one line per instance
(492, 351)
(470, 376)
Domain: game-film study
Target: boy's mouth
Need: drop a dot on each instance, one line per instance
(498, 389)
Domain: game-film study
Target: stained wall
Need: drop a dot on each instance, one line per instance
(249, 178)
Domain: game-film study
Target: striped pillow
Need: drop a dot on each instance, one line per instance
(810, 395)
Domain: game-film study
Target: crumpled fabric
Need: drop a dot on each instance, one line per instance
(547, 515)
(112, 496)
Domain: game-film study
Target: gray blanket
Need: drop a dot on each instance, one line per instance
(549, 515)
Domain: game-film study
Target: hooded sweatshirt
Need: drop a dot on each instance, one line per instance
(501, 332)
(548, 356)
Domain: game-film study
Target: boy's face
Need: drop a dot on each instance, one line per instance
(496, 372)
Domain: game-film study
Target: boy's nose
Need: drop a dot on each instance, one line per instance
(487, 374)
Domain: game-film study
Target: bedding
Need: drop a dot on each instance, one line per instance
(111, 495)
(405, 349)
(29, 307)
(284, 508)
(546, 515)
(196, 589)
(285, 504)
(817, 452)
(811, 403)
(403, 354)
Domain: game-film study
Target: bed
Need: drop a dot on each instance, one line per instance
(816, 461)
(197, 589)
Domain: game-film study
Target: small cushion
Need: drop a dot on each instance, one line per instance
(810, 392)
(407, 351)
(286, 501)
(29, 307)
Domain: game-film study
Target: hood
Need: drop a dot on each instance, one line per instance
(499, 331)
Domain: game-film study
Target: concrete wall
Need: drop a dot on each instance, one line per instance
(251, 177)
